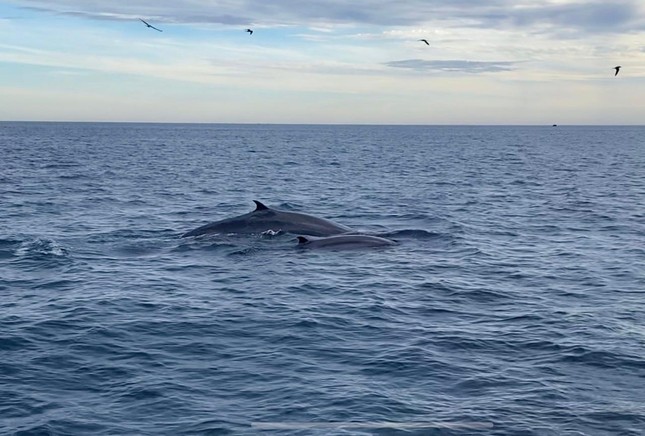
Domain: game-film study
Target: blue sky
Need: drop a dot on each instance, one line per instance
(332, 61)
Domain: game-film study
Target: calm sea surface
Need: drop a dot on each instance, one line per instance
(514, 302)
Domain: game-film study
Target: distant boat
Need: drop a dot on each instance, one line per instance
(555, 125)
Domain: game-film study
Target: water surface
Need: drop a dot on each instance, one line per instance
(514, 297)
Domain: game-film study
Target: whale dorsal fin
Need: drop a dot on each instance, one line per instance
(302, 240)
(259, 206)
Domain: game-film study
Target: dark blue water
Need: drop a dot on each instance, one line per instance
(513, 304)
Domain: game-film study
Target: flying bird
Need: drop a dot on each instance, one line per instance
(617, 68)
(250, 31)
(426, 41)
(150, 26)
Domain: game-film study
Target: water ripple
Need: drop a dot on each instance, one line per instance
(514, 296)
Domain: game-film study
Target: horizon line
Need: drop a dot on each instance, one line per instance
(260, 123)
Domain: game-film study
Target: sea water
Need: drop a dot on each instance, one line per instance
(514, 302)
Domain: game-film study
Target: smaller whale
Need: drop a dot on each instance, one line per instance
(264, 219)
(344, 242)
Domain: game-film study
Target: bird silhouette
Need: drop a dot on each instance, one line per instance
(617, 68)
(426, 41)
(150, 26)
(250, 31)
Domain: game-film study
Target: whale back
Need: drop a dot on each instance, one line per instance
(263, 219)
(346, 241)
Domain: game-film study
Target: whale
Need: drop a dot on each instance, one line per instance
(343, 242)
(264, 219)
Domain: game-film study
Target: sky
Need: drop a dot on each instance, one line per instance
(536, 62)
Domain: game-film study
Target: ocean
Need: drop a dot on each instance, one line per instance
(513, 303)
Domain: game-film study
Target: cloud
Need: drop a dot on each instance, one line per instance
(597, 17)
(163, 15)
(562, 16)
(453, 66)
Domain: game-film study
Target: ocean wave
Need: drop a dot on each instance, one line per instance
(41, 248)
(514, 296)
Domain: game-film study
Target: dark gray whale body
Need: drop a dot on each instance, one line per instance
(347, 241)
(264, 218)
